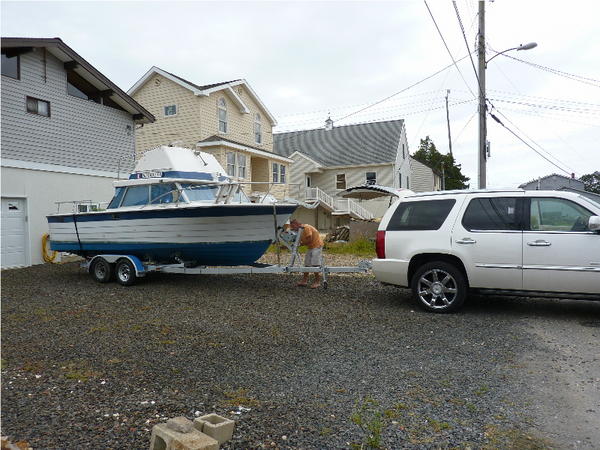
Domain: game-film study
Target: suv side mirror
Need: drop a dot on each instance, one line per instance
(594, 223)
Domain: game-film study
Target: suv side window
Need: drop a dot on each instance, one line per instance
(422, 215)
(493, 214)
(557, 214)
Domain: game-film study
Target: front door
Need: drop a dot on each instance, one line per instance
(560, 254)
(14, 232)
(489, 241)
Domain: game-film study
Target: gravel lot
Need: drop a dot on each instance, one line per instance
(91, 365)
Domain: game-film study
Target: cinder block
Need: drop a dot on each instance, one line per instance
(165, 438)
(215, 426)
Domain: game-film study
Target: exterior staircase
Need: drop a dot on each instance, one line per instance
(337, 207)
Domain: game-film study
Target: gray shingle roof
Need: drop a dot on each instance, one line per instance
(349, 145)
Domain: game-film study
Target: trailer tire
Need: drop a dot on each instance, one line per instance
(125, 272)
(101, 270)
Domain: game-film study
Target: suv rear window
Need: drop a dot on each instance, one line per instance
(495, 213)
(424, 215)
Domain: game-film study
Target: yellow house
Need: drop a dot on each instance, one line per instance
(226, 119)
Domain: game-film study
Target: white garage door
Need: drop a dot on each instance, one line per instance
(14, 232)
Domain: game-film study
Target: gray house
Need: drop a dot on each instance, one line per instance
(331, 159)
(558, 182)
(67, 133)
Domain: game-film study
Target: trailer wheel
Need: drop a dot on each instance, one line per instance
(101, 270)
(125, 272)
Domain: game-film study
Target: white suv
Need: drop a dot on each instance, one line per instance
(533, 243)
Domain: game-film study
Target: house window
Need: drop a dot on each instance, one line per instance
(340, 181)
(407, 183)
(222, 115)
(308, 181)
(37, 106)
(257, 129)
(231, 164)
(399, 180)
(281, 173)
(170, 110)
(278, 171)
(11, 66)
(371, 177)
(403, 154)
(241, 165)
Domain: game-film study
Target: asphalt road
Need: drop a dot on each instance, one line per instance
(85, 364)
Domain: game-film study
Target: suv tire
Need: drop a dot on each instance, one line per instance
(439, 286)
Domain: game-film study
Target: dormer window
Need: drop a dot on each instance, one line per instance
(222, 115)
(257, 129)
(170, 110)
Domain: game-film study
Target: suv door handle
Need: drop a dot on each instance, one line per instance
(539, 243)
(466, 241)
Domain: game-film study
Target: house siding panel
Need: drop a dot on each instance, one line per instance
(78, 133)
(423, 178)
(183, 128)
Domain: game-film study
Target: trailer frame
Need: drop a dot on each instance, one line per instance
(127, 268)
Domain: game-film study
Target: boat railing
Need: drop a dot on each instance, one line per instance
(80, 206)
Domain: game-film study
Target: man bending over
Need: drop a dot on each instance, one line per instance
(314, 256)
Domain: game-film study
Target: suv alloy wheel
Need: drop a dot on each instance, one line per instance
(439, 286)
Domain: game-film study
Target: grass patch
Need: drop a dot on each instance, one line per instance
(240, 397)
(359, 247)
(513, 439)
(76, 371)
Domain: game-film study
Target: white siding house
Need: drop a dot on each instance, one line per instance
(327, 161)
(67, 133)
(424, 178)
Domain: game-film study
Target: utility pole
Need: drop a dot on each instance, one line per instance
(448, 121)
(482, 104)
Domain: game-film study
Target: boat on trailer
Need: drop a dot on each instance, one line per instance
(178, 206)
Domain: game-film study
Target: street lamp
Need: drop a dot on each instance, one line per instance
(528, 46)
(482, 106)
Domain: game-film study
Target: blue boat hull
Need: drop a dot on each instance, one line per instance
(198, 234)
(213, 254)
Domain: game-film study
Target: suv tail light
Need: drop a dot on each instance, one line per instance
(380, 244)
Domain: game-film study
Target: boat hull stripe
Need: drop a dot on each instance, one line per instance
(200, 211)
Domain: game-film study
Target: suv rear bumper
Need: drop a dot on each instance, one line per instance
(392, 271)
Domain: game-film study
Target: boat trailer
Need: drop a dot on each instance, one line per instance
(128, 268)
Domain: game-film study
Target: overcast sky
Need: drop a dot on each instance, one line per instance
(308, 59)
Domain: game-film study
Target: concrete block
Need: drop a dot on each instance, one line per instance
(165, 438)
(215, 426)
(180, 424)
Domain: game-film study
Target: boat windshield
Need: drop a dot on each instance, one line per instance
(116, 201)
(208, 193)
(200, 192)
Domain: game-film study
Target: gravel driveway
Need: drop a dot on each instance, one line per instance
(91, 365)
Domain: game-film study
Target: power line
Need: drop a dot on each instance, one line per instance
(400, 91)
(527, 144)
(462, 29)
(538, 145)
(570, 76)
(448, 49)
(585, 111)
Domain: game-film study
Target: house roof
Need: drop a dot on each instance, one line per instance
(218, 140)
(203, 87)
(78, 64)
(207, 89)
(535, 180)
(348, 145)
